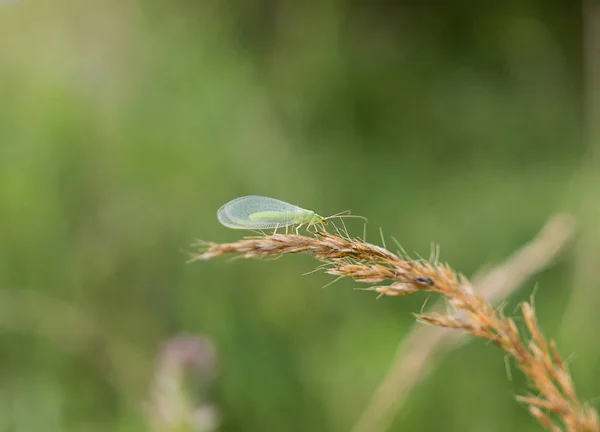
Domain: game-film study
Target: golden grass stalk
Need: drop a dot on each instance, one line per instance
(554, 402)
(424, 347)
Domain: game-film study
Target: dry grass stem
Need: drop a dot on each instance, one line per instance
(424, 347)
(554, 402)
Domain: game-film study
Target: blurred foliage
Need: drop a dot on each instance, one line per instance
(124, 126)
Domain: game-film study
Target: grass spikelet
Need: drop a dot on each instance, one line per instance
(555, 404)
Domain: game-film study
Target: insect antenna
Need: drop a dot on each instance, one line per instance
(338, 214)
(342, 215)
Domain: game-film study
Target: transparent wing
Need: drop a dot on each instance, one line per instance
(225, 220)
(236, 213)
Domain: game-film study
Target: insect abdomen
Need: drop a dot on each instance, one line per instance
(271, 216)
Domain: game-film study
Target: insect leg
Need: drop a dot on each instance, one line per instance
(276, 228)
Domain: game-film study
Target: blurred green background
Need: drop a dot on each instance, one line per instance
(124, 125)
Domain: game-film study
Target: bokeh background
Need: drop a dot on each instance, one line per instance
(125, 124)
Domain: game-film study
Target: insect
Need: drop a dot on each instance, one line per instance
(257, 212)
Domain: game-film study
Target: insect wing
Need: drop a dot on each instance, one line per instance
(236, 213)
(226, 220)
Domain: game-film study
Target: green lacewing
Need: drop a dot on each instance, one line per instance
(258, 212)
